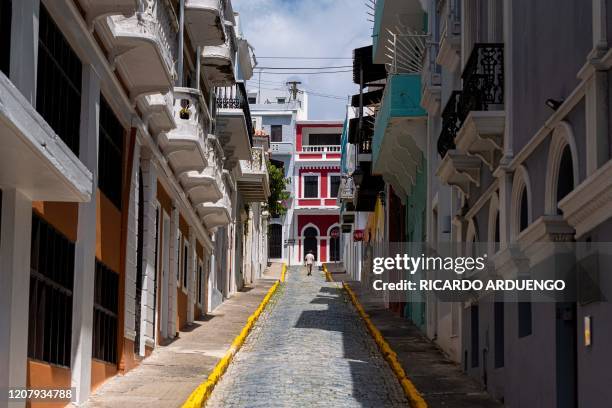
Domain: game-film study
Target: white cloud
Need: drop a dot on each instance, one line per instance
(312, 28)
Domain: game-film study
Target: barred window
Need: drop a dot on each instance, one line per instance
(58, 90)
(185, 263)
(51, 285)
(200, 279)
(110, 175)
(106, 307)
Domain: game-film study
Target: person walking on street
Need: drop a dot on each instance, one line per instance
(308, 261)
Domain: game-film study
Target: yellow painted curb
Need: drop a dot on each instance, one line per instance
(200, 395)
(328, 276)
(414, 397)
(283, 272)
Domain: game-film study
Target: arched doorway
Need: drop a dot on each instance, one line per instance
(275, 241)
(310, 242)
(334, 245)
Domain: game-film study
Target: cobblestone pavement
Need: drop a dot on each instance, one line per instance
(309, 349)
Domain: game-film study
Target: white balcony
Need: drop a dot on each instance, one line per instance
(322, 149)
(204, 22)
(217, 214)
(206, 186)
(158, 112)
(33, 158)
(96, 9)
(459, 170)
(218, 64)
(234, 125)
(482, 135)
(253, 180)
(143, 48)
(184, 146)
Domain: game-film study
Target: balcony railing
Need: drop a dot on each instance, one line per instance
(450, 124)
(321, 149)
(483, 89)
(235, 97)
(483, 78)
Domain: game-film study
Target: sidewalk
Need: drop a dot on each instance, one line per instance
(172, 372)
(439, 380)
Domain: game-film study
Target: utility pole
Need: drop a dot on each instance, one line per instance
(293, 88)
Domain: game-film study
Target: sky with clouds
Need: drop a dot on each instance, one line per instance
(306, 28)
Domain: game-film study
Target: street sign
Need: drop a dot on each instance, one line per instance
(358, 235)
(290, 241)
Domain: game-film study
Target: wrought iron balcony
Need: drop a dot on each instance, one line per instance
(450, 123)
(235, 97)
(483, 79)
(483, 90)
(234, 124)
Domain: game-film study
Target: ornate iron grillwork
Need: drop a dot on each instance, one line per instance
(235, 97)
(450, 123)
(483, 78)
(483, 89)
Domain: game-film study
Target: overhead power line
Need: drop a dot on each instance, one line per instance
(329, 67)
(308, 58)
(305, 73)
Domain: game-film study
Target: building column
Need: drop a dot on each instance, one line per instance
(192, 268)
(505, 206)
(129, 323)
(85, 248)
(149, 230)
(172, 288)
(15, 239)
(597, 122)
(24, 47)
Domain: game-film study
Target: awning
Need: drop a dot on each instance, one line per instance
(362, 60)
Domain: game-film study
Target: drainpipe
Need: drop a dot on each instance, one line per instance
(198, 62)
(181, 42)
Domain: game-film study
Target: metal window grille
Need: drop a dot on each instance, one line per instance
(58, 90)
(524, 319)
(311, 186)
(499, 334)
(200, 278)
(51, 285)
(178, 258)
(474, 332)
(185, 264)
(106, 305)
(110, 160)
(5, 35)
(275, 241)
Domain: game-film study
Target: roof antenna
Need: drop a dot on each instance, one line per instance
(293, 88)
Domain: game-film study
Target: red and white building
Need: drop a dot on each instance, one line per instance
(316, 179)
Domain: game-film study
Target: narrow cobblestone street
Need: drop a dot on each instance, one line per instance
(308, 349)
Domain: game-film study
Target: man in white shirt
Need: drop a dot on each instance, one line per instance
(308, 261)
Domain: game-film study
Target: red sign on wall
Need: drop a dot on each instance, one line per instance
(358, 235)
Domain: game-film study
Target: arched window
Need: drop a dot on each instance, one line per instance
(562, 167)
(275, 241)
(521, 202)
(565, 181)
(310, 241)
(524, 211)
